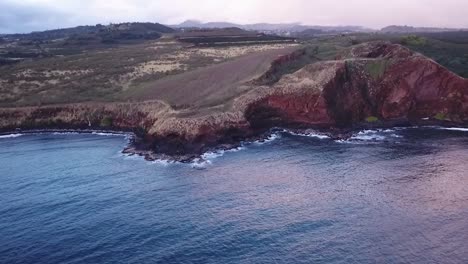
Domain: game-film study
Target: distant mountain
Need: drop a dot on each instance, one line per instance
(308, 33)
(409, 29)
(281, 29)
(104, 33)
(199, 24)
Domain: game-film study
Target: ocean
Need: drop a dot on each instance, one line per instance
(383, 196)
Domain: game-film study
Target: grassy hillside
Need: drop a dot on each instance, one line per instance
(118, 73)
(70, 41)
(102, 32)
(450, 52)
(449, 49)
(177, 72)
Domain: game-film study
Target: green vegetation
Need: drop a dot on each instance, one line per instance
(310, 53)
(355, 42)
(450, 49)
(372, 119)
(376, 68)
(106, 122)
(453, 56)
(440, 116)
(413, 40)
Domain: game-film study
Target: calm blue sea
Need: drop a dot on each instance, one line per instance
(389, 196)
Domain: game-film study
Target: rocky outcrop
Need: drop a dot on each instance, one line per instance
(373, 84)
(97, 116)
(379, 80)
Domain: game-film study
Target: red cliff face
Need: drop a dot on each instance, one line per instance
(419, 87)
(104, 116)
(378, 80)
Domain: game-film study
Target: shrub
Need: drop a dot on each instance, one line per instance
(377, 68)
(355, 41)
(106, 122)
(372, 119)
(413, 40)
(440, 116)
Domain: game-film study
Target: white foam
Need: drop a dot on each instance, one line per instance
(200, 163)
(163, 162)
(212, 155)
(454, 129)
(207, 157)
(368, 136)
(269, 139)
(107, 134)
(309, 134)
(236, 149)
(132, 156)
(63, 133)
(377, 135)
(11, 136)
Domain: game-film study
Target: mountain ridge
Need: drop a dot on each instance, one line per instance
(411, 29)
(292, 27)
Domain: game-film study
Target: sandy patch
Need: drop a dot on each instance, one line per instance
(149, 68)
(164, 44)
(157, 66)
(232, 52)
(62, 73)
(25, 73)
(53, 73)
(218, 54)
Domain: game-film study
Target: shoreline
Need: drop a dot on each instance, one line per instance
(132, 147)
(65, 131)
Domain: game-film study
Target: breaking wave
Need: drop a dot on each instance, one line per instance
(11, 136)
(109, 134)
(460, 129)
(360, 137)
(378, 135)
(208, 157)
(163, 162)
(62, 133)
(269, 139)
(308, 134)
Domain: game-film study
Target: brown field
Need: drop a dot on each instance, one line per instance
(133, 72)
(212, 85)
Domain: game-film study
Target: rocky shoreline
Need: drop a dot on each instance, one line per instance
(374, 85)
(135, 146)
(332, 134)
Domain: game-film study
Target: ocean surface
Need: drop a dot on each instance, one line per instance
(387, 196)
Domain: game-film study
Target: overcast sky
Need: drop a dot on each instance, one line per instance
(33, 15)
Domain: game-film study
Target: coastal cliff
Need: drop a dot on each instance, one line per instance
(371, 85)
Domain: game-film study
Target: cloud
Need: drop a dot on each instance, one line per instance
(30, 15)
(17, 18)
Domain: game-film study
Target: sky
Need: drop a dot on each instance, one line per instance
(20, 16)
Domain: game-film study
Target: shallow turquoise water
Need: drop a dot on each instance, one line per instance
(398, 196)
